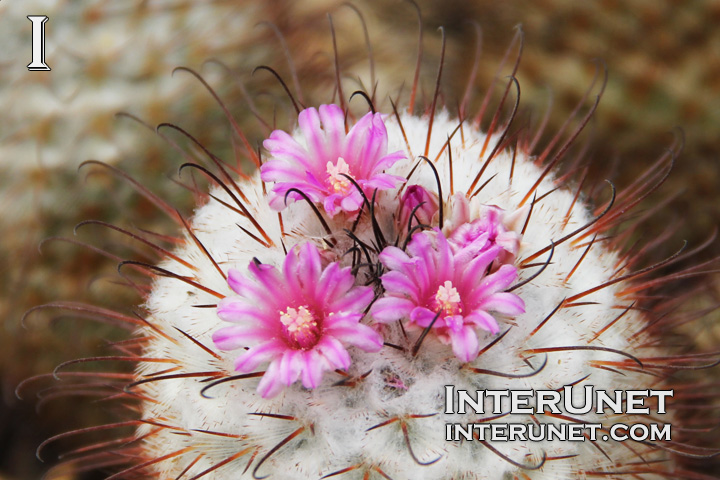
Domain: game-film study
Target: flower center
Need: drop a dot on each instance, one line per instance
(337, 181)
(300, 325)
(447, 299)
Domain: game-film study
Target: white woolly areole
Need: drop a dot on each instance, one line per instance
(330, 428)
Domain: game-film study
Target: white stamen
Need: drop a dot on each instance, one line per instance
(447, 298)
(298, 321)
(339, 183)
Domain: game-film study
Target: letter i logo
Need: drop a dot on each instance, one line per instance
(38, 43)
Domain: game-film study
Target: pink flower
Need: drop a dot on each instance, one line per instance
(467, 239)
(299, 319)
(318, 166)
(432, 280)
(423, 203)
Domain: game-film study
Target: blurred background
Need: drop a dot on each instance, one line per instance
(663, 59)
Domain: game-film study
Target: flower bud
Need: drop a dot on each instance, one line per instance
(416, 199)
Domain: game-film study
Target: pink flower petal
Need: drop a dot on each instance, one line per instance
(333, 120)
(291, 275)
(309, 123)
(240, 284)
(333, 281)
(500, 280)
(382, 181)
(361, 336)
(334, 352)
(444, 257)
(394, 258)
(232, 338)
(270, 384)
(258, 354)
(483, 320)
(331, 206)
(423, 317)
(473, 273)
(351, 202)
(503, 302)
(509, 241)
(389, 160)
(401, 285)
(232, 309)
(355, 300)
(422, 248)
(291, 363)
(465, 344)
(363, 142)
(342, 320)
(267, 277)
(286, 150)
(309, 265)
(391, 309)
(312, 368)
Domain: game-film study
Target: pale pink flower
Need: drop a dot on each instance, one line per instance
(300, 319)
(468, 238)
(318, 166)
(429, 279)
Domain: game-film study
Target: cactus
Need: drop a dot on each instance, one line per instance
(308, 321)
